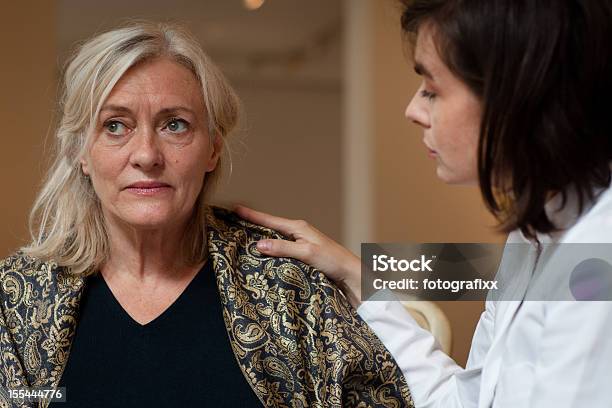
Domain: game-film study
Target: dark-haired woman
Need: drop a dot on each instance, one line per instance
(514, 98)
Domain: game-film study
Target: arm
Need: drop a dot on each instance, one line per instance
(435, 380)
(12, 374)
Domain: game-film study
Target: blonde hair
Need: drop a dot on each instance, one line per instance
(66, 222)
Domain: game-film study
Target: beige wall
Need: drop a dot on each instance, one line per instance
(28, 94)
(287, 157)
(409, 203)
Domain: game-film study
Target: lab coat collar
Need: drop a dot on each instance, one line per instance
(562, 214)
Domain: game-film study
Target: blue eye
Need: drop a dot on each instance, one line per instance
(427, 94)
(115, 128)
(177, 125)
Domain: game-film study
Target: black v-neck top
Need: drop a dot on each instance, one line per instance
(182, 358)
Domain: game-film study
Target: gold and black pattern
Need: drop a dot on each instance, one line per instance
(38, 316)
(295, 337)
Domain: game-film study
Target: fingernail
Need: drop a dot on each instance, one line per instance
(263, 245)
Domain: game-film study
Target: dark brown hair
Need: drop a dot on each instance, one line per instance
(543, 71)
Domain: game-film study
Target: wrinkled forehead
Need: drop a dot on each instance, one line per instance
(158, 84)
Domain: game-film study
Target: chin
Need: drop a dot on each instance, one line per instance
(455, 178)
(148, 218)
(147, 224)
(445, 175)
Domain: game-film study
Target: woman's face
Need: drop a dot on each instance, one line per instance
(151, 149)
(448, 112)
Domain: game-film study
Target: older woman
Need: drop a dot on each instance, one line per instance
(132, 286)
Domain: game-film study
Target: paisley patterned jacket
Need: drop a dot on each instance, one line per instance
(294, 335)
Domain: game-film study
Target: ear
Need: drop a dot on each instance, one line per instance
(217, 145)
(84, 166)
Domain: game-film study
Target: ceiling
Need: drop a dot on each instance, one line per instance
(286, 40)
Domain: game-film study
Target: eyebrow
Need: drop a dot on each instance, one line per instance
(165, 111)
(421, 70)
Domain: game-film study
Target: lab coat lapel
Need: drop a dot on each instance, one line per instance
(506, 309)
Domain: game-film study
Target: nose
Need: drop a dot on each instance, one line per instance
(417, 112)
(146, 153)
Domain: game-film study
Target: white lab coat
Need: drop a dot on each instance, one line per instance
(537, 354)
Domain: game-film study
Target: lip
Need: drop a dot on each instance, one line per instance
(430, 152)
(148, 188)
(147, 184)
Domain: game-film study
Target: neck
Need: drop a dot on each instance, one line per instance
(145, 254)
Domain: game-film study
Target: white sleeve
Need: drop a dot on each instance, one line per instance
(574, 366)
(435, 380)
